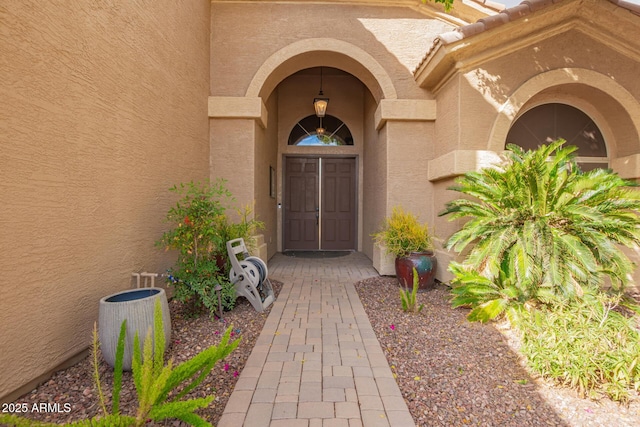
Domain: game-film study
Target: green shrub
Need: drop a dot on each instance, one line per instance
(586, 345)
(200, 233)
(245, 228)
(488, 297)
(542, 230)
(196, 217)
(402, 234)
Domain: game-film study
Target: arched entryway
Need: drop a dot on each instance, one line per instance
(249, 136)
(321, 158)
(356, 83)
(321, 192)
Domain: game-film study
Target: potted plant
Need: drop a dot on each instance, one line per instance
(410, 241)
(136, 306)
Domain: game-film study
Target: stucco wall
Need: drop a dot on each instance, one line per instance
(267, 157)
(232, 145)
(486, 88)
(104, 107)
(447, 124)
(408, 185)
(570, 67)
(249, 33)
(375, 176)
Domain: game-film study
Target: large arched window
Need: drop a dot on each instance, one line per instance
(548, 122)
(331, 131)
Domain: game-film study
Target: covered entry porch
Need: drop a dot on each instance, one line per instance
(323, 196)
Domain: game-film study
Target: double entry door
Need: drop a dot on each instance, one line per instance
(320, 203)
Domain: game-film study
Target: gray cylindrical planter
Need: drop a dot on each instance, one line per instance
(135, 305)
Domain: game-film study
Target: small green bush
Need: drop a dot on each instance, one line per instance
(488, 298)
(402, 233)
(587, 345)
(196, 219)
(201, 229)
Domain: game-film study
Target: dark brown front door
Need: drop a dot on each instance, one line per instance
(320, 203)
(301, 214)
(338, 204)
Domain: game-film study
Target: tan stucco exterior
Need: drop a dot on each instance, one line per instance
(109, 105)
(104, 107)
(574, 52)
(374, 94)
(485, 81)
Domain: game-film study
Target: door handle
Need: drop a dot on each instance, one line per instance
(317, 216)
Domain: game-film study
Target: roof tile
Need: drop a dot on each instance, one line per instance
(472, 29)
(494, 20)
(525, 8)
(507, 15)
(449, 37)
(518, 11)
(536, 5)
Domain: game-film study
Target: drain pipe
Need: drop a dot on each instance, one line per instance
(137, 276)
(146, 277)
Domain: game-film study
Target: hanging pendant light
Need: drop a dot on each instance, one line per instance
(320, 102)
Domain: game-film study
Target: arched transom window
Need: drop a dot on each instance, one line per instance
(548, 122)
(313, 131)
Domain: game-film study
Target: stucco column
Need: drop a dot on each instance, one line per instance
(442, 172)
(408, 129)
(233, 125)
(408, 125)
(627, 167)
(232, 136)
(232, 156)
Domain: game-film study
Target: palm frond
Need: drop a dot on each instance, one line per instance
(538, 227)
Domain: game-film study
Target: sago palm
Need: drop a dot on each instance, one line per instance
(540, 225)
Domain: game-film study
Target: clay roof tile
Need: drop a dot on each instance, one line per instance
(472, 29)
(506, 15)
(494, 20)
(536, 5)
(518, 11)
(634, 8)
(449, 37)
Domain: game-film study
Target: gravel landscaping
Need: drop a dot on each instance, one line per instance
(451, 372)
(189, 336)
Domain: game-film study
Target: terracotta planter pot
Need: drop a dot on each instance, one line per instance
(135, 305)
(425, 264)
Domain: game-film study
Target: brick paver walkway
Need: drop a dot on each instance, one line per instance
(317, 362)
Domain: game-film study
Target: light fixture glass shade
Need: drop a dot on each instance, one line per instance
(320, 105)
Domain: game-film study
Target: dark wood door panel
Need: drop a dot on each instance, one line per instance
(338, 204)
(301, 204)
